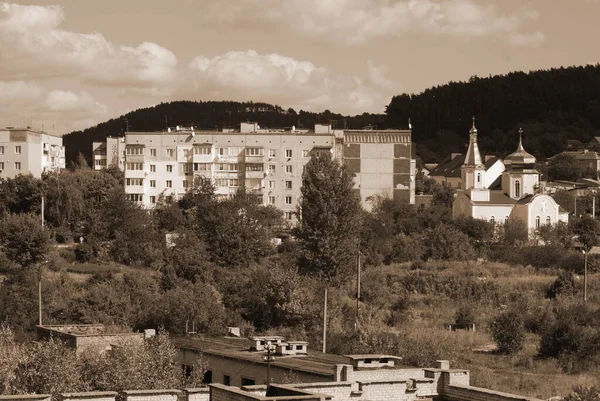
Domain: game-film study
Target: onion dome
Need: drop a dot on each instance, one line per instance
(521, 156)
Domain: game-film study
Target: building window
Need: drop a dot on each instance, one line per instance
(234, 182)
(169, 168)
(134, 166)
(152, 183)
(505, 220)
(271, 153)
(289, 215)
(517, 189)
(537, 222)
(271, 200)
(288, 153)
(548, 222)
(1, 166)
(288, 185)
(17, 165)
(186, 153)
(202, 150)
(223, 151)
(1, 150)
(288, 169)
(271, 184)
(186, 168)
(152, 199)
(254, 151)
(271, 169)
(478, 178)
(493, 220)
(288, 200)
(186, 184)
(135, 181)
(305, 153)
(153, 152)
(170, 152)
(254, 167)
(226, 380)
(201, 166)
(100, 163)
(153, 168)
(135, 197)
(134, 151)
(169, 184)
(18, 149)
(247, 382)
(221, 182)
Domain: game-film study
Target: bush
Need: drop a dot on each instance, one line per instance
(581, 393)
(465, 315)
(564, 285)
(508, 332)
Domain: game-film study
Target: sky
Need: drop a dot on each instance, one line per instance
(71, 64)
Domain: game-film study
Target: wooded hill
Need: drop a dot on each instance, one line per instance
(208, 115)
(550, 105)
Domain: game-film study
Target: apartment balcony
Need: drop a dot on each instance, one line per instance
(229, 159)
(135, 174)
(203, 173)
(227, 174)
(134, 158)
(99, 157)
(255, 159)
(255, 175)
(202, 159)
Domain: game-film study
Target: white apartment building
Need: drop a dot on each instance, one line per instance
(23, 151)
(266, 162)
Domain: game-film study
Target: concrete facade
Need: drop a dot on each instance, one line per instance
(268, 163)
(23, 151)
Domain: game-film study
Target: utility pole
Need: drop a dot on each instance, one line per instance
(43, 211)
(585, 263)
(357, 289)
(325, 319)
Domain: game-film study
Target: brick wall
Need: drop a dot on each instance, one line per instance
(28, 397)
(197, 394)
(151, 395)
(89, 396)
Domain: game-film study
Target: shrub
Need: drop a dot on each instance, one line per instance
(564, 285)
(508, 332)
(581, 393)
(465, 315)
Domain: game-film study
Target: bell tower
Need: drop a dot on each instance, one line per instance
(473, 171)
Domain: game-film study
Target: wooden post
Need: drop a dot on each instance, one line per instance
(357, 290)
(325, 320)
(585, 276)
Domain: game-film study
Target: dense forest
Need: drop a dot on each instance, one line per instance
(208, 115)
(550, 105)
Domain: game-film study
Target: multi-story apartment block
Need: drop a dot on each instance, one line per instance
(23, 151)
(269, 163)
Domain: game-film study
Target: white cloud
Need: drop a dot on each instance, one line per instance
(34, 45)
(289, 82)
(357, 22)
(67, 101)
(17, 93)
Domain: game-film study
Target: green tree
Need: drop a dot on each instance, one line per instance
(564, 167)
(328, 230)
(587, 230)
(447, 243)
(508, 332)
(23, 239)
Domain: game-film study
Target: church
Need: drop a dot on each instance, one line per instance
(518, 197)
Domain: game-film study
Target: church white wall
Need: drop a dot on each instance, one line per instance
(492, 173)
(499, 212)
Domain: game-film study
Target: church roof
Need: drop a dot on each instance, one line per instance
(473, 157)
(449, 167)
(520, 156)
(496, 198)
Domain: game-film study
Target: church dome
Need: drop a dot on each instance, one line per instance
(521, 156)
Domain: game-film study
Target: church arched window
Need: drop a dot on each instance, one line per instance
(493, 220)
(548, 220)
(478, 178)
(517, 189)
(537, 222)
(505, 220)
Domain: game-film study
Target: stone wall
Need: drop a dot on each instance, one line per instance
(468, 393)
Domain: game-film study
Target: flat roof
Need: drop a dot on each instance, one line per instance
(239, 348)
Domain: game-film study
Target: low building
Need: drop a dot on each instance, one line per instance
(24, 151)
(83, 337)
(237, 371)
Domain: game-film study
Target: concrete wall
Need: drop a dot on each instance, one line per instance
(467, 393)
(151, 395)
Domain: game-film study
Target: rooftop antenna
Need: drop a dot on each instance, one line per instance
(166, 122)
(126, 124)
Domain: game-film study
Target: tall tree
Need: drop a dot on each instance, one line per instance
(328, 231)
